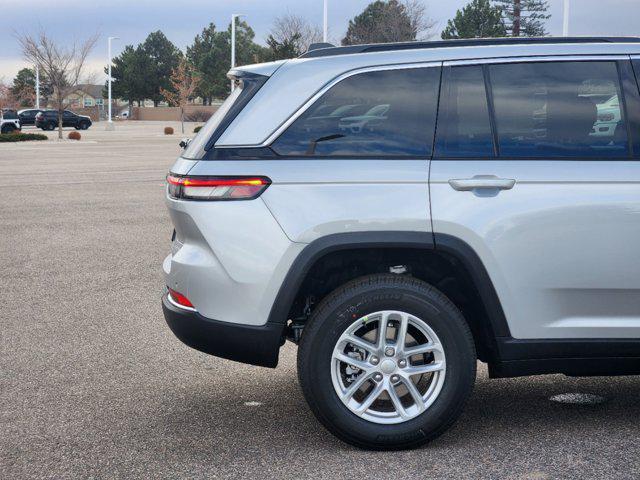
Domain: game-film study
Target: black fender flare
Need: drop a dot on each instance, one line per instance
(448, 244)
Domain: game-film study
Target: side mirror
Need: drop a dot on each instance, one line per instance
(184, 143)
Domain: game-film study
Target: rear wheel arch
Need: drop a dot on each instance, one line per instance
(333, 260)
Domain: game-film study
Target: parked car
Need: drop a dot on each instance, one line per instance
(9, 121)
(28, 116)
(48, 120)
(480, 220)
(373, 117)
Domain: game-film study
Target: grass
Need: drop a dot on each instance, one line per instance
(21, 137)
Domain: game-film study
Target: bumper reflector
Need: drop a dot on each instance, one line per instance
(179, 299)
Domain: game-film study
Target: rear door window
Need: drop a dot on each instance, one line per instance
(559, 109)
(380, 113)
(464, 126)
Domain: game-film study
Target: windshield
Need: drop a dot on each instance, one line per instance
(196, 146)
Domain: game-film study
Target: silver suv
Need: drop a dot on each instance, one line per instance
(400, 211)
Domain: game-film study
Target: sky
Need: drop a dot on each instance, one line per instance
(132, 20)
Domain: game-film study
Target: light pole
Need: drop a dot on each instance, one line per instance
(325, 22)
(37, 86)
(109, 121)
(233, 41)
(565, 19)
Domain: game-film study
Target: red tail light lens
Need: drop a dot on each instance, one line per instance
(216, 188)
(180, 299)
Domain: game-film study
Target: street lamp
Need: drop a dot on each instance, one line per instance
(37, 86)
(233, 41)
(109, 121)
(325, 23)
(565, 19)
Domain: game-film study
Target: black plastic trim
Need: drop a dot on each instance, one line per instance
(390, 239)
(632, 102)
(579, 357)
(471, 261)
(256, 345)
(517, 349)
(386, 47)
(575, 367)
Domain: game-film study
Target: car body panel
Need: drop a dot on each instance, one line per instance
(560, 246)
(228, 258)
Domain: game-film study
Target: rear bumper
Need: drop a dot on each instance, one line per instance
(256, 345)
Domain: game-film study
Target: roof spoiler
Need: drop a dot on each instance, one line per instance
(319, 45)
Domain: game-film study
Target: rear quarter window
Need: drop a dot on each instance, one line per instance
(379, 113)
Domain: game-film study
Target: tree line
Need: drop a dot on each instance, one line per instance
(157, 70)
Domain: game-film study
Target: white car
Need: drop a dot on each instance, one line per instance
(9, 125)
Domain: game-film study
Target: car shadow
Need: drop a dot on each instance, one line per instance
(231, 418)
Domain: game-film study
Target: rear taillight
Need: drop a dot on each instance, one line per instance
(216, 188)
(179, 299)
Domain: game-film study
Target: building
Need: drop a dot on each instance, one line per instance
(86, 95)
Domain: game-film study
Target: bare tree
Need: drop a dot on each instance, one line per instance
(421, 23)
(297, 30)
(7, 96)
(63, 65)
(184, 82)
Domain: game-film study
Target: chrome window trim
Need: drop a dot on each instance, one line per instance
(529, 59)
(401, 66)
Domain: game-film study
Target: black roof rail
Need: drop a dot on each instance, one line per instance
(471, 42)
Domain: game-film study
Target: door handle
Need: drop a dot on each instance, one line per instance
(482, 182)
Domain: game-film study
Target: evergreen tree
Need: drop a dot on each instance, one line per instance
(381, 21)
(164, 57)
(211, 55)
(287, 48)
(202, 55)
(24, 87)
(525, 18)
(130, 72)
(478, 19)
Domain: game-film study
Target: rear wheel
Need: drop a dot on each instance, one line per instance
(50, 126)
(83, 125)
(7, 129)
(386, 362)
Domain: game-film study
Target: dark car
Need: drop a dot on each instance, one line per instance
(28, 116)
(48, 120)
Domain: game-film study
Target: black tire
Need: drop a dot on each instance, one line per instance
(7, 129)
(83, 125)
(368, 295)
(50, 126)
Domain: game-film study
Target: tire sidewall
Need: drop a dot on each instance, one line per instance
(459, 356)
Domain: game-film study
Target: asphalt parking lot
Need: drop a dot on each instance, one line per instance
(94, 385)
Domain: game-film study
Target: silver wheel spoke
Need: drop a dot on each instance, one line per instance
(425, 348)
(421, 369)
(360, 343)
(355, 386)
(402, 332)
(343, 357)
(397, 404)
(382, 331)
(415, 394)
(373, 395)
